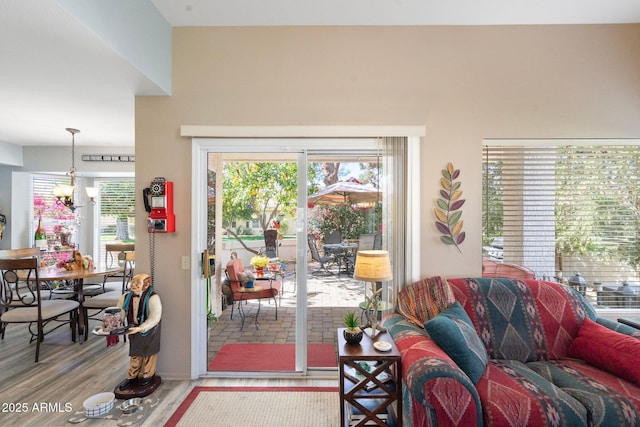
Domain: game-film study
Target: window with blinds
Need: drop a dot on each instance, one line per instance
(566, 209)
(115, 219)
(45, 205)
(116, 206)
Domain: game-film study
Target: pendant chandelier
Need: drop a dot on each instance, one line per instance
(64, 193)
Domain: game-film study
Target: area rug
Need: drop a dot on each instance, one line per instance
(258, 406)
(272, 357)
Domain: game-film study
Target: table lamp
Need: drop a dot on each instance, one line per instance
(373, 266)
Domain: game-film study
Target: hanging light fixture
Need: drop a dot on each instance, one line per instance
(64, 193)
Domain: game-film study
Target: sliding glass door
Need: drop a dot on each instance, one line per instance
(245, 188)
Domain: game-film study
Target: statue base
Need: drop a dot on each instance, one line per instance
(137, 390)
(372, 331)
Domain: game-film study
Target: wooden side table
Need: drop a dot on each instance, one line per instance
(370, 382)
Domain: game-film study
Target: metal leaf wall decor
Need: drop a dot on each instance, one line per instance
(448, 214)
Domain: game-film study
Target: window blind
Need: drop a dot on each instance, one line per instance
(45, 203)
(564, 209)
(116, 208)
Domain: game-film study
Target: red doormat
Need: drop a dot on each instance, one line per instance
(270, 357)
(252, 406)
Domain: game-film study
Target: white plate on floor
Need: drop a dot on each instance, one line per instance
(382, 346)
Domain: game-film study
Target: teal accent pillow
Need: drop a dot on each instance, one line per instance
(453, 331)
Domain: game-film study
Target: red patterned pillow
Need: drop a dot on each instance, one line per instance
(425, 299)
(608, 350)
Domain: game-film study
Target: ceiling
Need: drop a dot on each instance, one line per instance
(57, 73)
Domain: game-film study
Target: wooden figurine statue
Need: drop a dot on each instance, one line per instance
(143, 311)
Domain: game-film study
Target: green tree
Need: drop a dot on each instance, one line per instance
(597, 202)
(492, 206)
(257, 191)
(349, 221)
(599, 206)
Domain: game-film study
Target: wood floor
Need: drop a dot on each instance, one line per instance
(68, 373)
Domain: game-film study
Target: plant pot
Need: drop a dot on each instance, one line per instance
(352, 337)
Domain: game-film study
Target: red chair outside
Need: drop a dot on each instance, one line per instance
(270, 287)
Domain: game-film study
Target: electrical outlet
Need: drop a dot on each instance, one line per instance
(186, 262)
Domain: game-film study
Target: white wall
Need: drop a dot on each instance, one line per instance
(465, 84)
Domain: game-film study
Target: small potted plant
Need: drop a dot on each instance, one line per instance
(352, 334)
(259, 262)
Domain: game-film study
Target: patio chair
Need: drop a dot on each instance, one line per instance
(315, 255)
(366, 242)
(22, 302)
(270, 287)
(271, 243)
(377, 241)
(332, 237)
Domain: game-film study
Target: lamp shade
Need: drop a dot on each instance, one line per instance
(67, 190)
(372, 266)
(92, 192)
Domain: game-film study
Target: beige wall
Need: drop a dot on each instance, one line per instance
(463, 83)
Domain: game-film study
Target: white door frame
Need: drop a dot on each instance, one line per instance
(202, 144)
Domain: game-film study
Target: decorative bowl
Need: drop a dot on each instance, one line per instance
(131, 405)
(98, 404)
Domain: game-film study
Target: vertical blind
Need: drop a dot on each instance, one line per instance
(564, 209)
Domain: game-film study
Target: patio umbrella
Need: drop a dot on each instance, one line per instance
(345, 193)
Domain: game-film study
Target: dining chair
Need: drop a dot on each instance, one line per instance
(117, 254)
(22, 301)
(98, 303)
(47, 289)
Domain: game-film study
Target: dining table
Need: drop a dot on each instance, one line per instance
(76, 278)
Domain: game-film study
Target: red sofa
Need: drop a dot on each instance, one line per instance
(548, 359)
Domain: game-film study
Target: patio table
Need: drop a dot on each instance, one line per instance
(342, 251)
